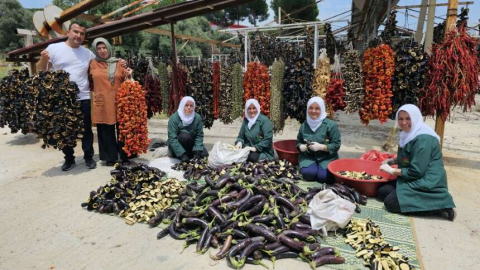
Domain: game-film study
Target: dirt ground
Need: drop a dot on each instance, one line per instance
(42, 225)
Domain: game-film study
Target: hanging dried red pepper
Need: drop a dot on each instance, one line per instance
(132, 118)
(452, 75)
(153, 96)
(378, 68)
(216, 89)
(256, 84)
(336, 88)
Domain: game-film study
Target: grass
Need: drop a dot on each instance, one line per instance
(4, 70)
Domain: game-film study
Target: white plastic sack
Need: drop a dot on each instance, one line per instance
(328, 211)
(226, 154)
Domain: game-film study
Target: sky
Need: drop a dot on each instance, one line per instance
(329, 8)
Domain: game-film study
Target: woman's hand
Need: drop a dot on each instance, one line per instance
(388, 169)
(239, 145)
(128, 72)
(315, 147)
(303, 148)
(389, 161)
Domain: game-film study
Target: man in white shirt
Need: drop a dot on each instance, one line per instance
(72, 57)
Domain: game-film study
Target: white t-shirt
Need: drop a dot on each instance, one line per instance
(75, 62)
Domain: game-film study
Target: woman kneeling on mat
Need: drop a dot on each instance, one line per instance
(256, 133)
(318, 141)
(421, 185)
(185, 132)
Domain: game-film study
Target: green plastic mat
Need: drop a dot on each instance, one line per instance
(396, 229)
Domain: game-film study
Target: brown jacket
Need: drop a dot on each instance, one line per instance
(104, 104)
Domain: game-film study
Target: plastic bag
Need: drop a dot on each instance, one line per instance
(328, 211)
(374, 155)
(226, 154)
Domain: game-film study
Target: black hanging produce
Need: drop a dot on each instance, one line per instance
(390, 28)
(226, 98)
(17, 101)
(354, 83)
(330, 42)
(297, 89)
(200, 87)
(410, 73)
(153, 95)
(164, 87)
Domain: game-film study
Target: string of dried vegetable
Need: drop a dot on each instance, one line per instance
(410, 73)
(336, 88)
(256, 84)
(237, 91)
(378, 68)
(153, 95)
(132, 118)
(164, 87)
(297, 89)
(390, 28)
(276, 97)
(330, 43)
(181, 86)
(354, 89)
(226, 93)
(452, 75)
(200, 87)
(321, 80)
(16, 101)
(216, 89)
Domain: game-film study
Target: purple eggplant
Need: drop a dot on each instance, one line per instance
(224, 250)
(328, 259)
(322, 252)
(214, 213)
(270, 236)
(287, 241)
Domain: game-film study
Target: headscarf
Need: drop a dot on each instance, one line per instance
(186, 119)
(315, 123)
(418, 126)
(252, 120)
(111, 61)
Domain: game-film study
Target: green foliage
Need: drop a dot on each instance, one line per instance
(254, 11)
(13, 16)
(308, 14)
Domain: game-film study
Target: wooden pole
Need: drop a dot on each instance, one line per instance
(421, 21)
(174, 69)
(449, 25)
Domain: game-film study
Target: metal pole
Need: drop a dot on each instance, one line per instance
(421, 21)
(246, 49)
(315, 47)
(449, 25)
(279, 15)
(174, 69)
(430, 24)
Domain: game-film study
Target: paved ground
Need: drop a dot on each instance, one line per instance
(42, 225)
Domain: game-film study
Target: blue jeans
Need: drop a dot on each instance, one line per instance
(315, 172)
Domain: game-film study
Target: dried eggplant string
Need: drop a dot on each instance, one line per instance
(226, 94)
(276, 97)
(200, 87)
(297, 89)
(354, 90)
(216, 89)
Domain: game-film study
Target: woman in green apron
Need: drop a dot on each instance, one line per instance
(421, 185)
(318, 141)
(185, 132)
(256, 133)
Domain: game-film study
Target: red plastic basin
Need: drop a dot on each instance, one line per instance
(366, 187)
(287, 150)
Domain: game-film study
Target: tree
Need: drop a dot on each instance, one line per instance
(308, 14)
(254, 11)
(13, 16)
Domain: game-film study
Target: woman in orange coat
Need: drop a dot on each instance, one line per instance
(107, 74)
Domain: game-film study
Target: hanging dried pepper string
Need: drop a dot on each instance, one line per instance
(321, 80)
(336, 88)
(164, 81)
(452, 75)
(216, 89)
(153, 96)
(256, 84)
(237, 91)
(132, 118)
(378, 68)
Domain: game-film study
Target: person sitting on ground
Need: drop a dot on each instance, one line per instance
(256, 133)
(107, 74)
(421, 185)
(185, 132)
(318, 141)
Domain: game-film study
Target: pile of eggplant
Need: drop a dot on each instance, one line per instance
(16, 102)
(126, 184)
(248, 218)
(410, 74)
(297, 88)
(200, 87)
(194, 169)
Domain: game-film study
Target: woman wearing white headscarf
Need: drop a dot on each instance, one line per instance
(185, 132)
(256, 133)
(421, 185)
(318, 141)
